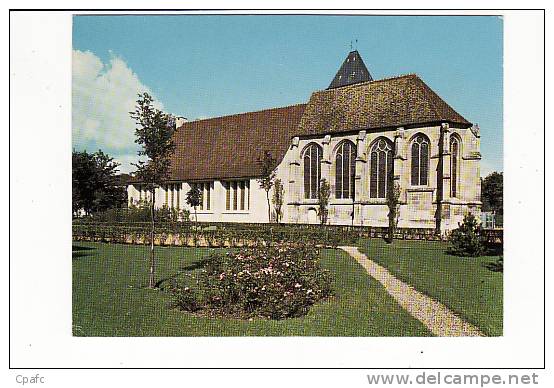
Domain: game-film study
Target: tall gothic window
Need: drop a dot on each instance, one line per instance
(454, 165)
(345, 170)
(420, 161)
(381, 167)
(312, 170)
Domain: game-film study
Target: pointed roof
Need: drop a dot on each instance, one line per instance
(352, 71)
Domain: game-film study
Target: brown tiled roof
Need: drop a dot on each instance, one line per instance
(231, 146)
(393, 102)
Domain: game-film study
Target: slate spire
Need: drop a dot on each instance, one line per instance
(352, 71)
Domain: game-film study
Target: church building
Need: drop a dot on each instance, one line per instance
(362, 135)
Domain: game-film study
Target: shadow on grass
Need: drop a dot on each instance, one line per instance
(494, 249)
(81, 251)
(490, 249)
(495, 266)
(188, 268)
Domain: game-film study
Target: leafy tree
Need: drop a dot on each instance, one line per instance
(194, 199)
(267, 177)
(323, 195)
(492, 193)
(278, 197)
(467, 239)
(94, 183)
(154, 133)
(393, 203)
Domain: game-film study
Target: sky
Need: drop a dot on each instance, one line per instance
(207, 66)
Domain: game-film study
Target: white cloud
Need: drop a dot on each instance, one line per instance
(126, 162)
(103, 96)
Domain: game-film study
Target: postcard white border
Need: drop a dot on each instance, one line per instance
(40, 229)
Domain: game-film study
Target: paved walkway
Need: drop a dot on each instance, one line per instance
(434, 315)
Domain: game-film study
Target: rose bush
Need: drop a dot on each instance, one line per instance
(274, 282)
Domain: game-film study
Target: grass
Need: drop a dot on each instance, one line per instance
(464, 284)
(110, 299)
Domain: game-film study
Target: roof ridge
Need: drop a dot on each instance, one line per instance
(372, 82)
(244, 113)
(433, 102)
(430, 101)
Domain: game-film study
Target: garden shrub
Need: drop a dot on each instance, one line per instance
(467, 239)
(275, 282)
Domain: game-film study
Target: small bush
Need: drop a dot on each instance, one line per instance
(274, 282)
(467, 239)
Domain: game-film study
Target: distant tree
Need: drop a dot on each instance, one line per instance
(95, 183)
(154, 133)
(393, 203)
(492, 191)
(278, 197)
(267, 177)
(194, 199)
(323, 195)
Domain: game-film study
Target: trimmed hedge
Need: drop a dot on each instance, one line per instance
(186, 234)
(216, 234)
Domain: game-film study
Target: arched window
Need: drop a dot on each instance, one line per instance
(381, 167)
(312, 170)
(454, 165)
(345, 170)
(420, 161)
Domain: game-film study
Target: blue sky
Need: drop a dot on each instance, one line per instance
(206, 66)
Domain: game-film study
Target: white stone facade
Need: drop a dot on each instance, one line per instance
(418, 204)
(431, 205)
(250, 205)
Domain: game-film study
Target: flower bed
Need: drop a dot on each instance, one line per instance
(274, 282)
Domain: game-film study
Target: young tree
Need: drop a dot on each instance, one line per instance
(492, 193)
(323, 195)
(154, 133)
(278, 197)
(194, 199)
(467, 239)
(393, 197)
(94, 181)
(267, 178)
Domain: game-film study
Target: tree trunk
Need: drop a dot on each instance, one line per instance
(391, 229)
(268, 207)
(151, 282)
(195, 227)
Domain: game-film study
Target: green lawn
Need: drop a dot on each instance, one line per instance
(109, 299)
(465, 285)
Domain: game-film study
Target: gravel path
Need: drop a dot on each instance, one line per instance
(434, 315)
